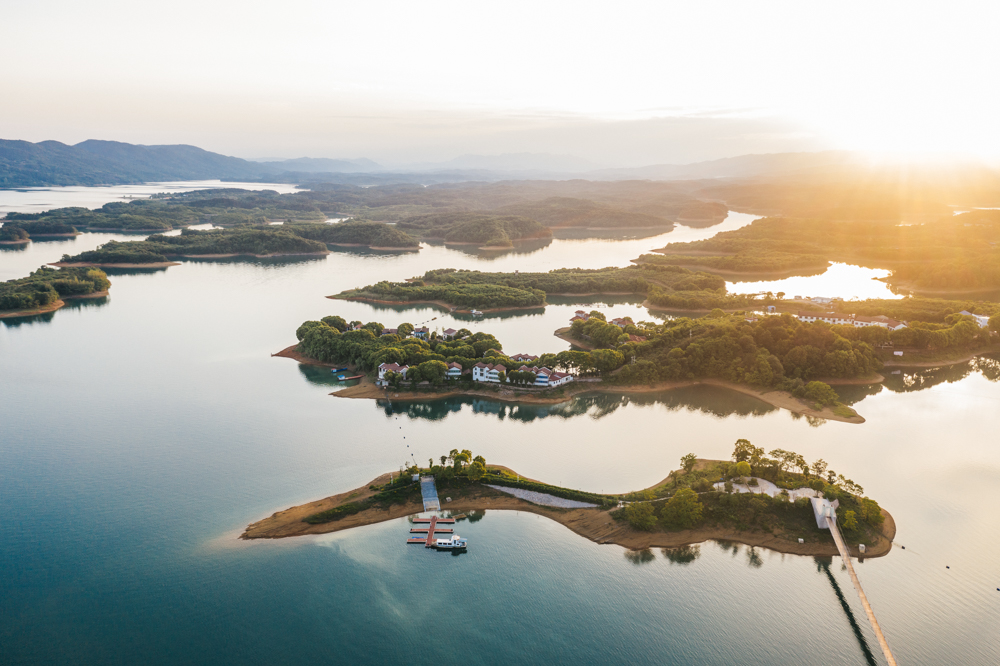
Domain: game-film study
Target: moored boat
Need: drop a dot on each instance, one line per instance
(454, 543)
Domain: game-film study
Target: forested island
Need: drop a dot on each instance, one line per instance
(663, 286)
(157, 250)
(365, 233)
(47, 288)
(487, 231)
(946, 254)
(757, 498)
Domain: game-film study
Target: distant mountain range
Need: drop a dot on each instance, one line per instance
(50, 163)
(322, 165)
(24, 164)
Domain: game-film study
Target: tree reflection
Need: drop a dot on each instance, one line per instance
(707, 399)
(682, 555)
(639, 557)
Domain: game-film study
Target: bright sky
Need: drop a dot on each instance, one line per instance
(621, 83)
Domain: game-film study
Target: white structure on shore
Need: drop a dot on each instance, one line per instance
(850, 320)
(391, 367)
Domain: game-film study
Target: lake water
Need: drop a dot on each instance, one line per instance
(141, 433)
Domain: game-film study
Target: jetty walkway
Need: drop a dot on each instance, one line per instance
(846, 556)
(430, 494)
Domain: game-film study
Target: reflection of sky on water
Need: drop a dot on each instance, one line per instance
(843, 280)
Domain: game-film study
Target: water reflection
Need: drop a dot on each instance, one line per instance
(716, 401)
(47, 317)
(682, 555)
(13, 247)
(909, 380)
(843, 280)
(823, 565)
(639, 557)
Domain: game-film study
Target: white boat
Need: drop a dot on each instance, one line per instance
(454, 543)
(476, 313)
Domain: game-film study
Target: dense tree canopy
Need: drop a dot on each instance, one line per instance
(46, 285)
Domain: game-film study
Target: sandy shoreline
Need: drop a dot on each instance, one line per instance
(594, 524)
(367, 389)
(52, 307)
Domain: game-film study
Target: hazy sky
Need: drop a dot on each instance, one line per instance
(622, 83)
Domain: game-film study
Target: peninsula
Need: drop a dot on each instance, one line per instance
(719, 349)
(756, 499)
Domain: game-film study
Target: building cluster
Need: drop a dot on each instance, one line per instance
(851, 320)
(620, 322)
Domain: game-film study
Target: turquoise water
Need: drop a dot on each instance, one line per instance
(139, 435)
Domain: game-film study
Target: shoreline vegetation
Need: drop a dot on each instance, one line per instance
(366, 389)
(47, 289)
(689, 506)
(945, 254)
(666, 286)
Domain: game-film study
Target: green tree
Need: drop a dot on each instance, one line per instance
(476, 470)
(640, 516)
(688, 462)
(405, 329)
(682, 510)
(743, 469)
(821, 393)
(850, 521)
(871, 512)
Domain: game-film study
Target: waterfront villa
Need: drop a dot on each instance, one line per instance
(391, 367)
(454, 370)
(622, 322)
(390, 331)
(421, 332)
(523, 358)
(449, 333)
(545, 377)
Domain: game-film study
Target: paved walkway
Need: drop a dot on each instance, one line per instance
(544, 499)
(430, 494)
(767, 488)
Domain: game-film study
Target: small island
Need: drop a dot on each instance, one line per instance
(487, 232)
(47, 289)
(662, 286)
(757, 498)
(158, 250)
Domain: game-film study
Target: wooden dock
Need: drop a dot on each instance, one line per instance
(846, 556)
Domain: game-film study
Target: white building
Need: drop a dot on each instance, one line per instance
(454, 370)
(391, 367)
(421, 332)
(482, 372)
(982, 320)
(545, 377)
(858, 321)
(449, 333)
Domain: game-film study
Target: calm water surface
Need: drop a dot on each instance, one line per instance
(140, 434)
